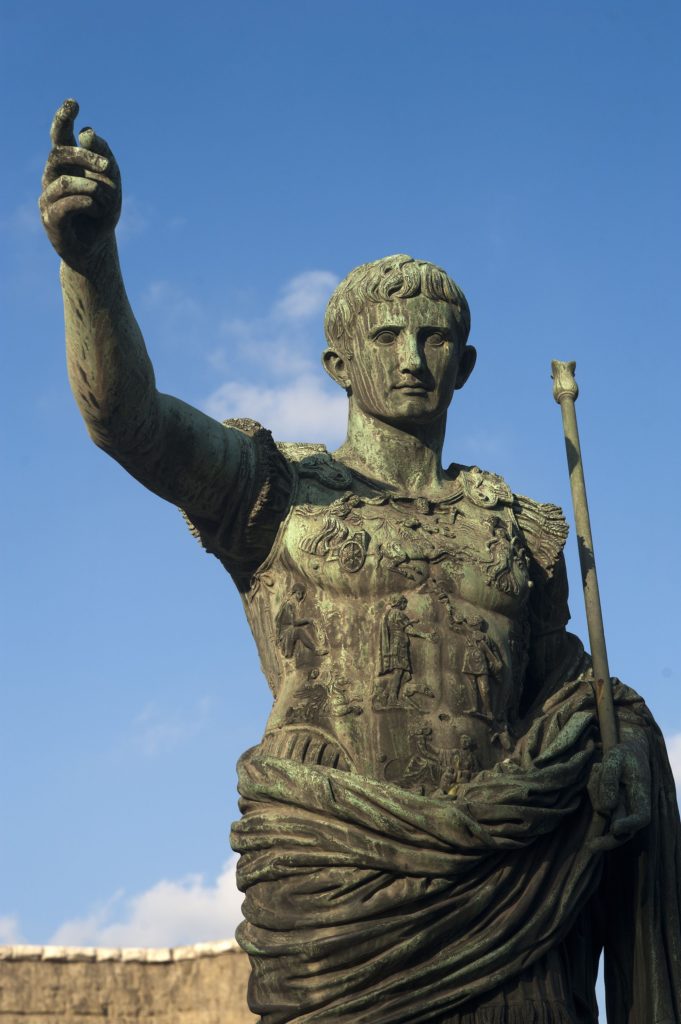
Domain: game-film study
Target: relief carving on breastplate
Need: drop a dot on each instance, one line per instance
(431, 769)
(507, 568)
(396, 686)
(342, 538)
(480, 666)
(406, 549)
(484, 489)
(320, 698)
(404, 534)
(464, 765)
(299, 638)
(493, 546)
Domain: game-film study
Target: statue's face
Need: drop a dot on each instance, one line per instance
(406, 360)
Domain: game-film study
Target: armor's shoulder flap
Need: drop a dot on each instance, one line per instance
(314, 462)
(544, 528)
(482, 488)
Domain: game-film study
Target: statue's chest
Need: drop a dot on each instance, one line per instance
(370, 547)
(387, 626)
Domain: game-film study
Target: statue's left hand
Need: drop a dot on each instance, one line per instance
(620, 789)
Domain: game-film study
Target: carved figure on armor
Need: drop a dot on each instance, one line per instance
(464, 766)
(396, 689)
(465, 761)
(341, 537)
(423, 768)
(481, 661)
(312, 699)
(294, 629)
(318, 698)
(447, 785)
(507, 568)
(398, 561)
(341, 702)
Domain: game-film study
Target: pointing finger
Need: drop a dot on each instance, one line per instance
(61, 132)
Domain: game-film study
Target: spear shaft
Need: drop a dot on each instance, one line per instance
(565, 392)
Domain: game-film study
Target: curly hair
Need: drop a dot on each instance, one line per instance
(393, 277)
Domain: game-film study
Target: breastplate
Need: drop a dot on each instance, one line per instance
(393, 632)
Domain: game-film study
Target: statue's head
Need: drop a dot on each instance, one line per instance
(397, 333)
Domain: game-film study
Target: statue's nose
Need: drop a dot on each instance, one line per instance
(411, 358)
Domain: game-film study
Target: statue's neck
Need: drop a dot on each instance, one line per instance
(407, 460)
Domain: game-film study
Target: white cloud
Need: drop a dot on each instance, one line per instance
(281, 341)
(9, 931)
(264, 343)
(674, 750)
(305, 295)
(268, 366)
(156, 731)
(300, 410)
(170, 913)
(286, 389)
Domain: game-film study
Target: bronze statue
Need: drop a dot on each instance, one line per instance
(431, 830)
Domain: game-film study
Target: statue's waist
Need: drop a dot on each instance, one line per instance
(414, 749)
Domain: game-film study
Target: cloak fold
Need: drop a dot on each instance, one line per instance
(368, 904)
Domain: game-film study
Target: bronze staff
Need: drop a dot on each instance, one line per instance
(565, 392)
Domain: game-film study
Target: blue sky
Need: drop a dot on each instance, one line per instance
(530, 148)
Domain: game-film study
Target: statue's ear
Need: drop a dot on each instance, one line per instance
(466, 364)
(336, 367)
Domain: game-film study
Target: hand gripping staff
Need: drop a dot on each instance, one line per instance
(565, 392)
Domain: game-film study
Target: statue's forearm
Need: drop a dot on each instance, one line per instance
(175, 450)
(111, 375)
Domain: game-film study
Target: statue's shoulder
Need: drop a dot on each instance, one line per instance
(313, 462)
(271, 477)
(305, 460)
(542, 524)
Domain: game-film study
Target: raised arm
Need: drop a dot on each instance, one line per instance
(172, 448)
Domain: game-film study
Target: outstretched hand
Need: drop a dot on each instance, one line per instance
(620, 790)
(81, 199)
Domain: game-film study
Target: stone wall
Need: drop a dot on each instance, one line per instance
(201, 984)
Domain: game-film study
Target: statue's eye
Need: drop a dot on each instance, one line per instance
(385, 338)
(435, 339)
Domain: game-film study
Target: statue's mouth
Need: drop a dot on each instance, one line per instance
(414, 387)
